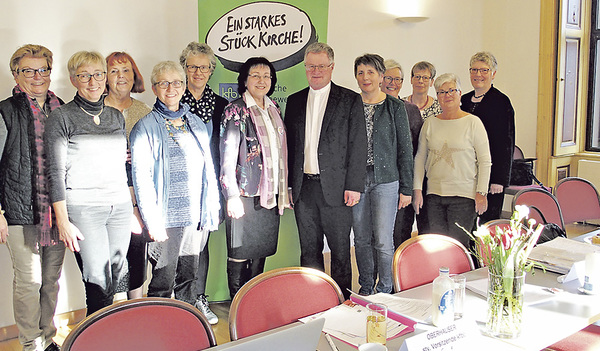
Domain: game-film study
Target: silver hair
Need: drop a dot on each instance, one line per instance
(195, 48)
(486, 57)
(317, 48)
(446, 78)
(164, 67)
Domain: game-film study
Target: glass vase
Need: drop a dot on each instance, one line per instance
(505, 305)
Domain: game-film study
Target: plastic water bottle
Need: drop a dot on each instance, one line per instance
(443, 299)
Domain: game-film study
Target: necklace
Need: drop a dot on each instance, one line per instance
(421, 107)
(95, 117)
(480, 96)
(182, 128)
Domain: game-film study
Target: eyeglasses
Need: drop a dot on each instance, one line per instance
(425, 78)
(449, 92)
(258, 77)
(165, 84)
(480, 70)
(194, 69)
(317, 67)
(30, 72)
(85, 77)
(389, 79)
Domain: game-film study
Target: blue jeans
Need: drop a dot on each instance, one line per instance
(373, 221)
(102, 258)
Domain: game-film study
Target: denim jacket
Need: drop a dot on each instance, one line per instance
(150, 171)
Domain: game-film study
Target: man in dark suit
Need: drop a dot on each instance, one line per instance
(327, 147)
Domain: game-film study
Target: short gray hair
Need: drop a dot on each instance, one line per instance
(81, 58)
(486, 57)
(194, 48)
(391, 64)
(164, 67)
(421, 66)
(319, 47)
(446, 78)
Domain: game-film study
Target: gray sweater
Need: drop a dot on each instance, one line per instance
(85, 161)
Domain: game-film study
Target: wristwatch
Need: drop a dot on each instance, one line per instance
(482, 193)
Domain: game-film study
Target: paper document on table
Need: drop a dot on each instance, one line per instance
(558, 255)
(417, 310)
(532, 294)
(348, 322)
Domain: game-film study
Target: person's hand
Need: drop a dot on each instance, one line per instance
(136, 221)
(496, 188)
(69, 234)
(3, 229)
(351, 198)
(128, 158)
(291, 198)
(235, 208)
(158, 236)
(480, 203)
(405, 200)
(417, 200)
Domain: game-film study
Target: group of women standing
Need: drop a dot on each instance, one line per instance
(119, 174)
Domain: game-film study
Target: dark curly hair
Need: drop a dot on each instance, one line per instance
(245, 69)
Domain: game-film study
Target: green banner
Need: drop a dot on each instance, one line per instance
(280, 31)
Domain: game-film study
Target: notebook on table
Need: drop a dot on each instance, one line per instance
(299, 337)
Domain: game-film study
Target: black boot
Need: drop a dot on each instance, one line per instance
(236, 276)
(256, 266)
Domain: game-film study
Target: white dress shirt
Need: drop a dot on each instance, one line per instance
(315, 110)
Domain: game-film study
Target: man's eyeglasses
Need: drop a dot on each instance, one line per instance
(389, 79)
(165, 84)
(85, 77)
(30, 72)
(320, 68)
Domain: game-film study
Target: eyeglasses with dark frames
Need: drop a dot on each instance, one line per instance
(165, 84)
(86, 77)
(30, 72)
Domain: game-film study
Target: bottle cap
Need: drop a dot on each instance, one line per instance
(444, 270)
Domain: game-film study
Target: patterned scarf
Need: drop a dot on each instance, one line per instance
(203, 108)
(47, 233)
(267, 198)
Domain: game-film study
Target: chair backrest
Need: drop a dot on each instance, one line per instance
(418, 260)
(143, 324)
(280, 297)
(578, 199)
(518, 153)
(544, 201)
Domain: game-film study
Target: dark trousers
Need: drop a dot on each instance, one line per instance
(445, 212)
(494, 210)
(202, 271)
(315, 219)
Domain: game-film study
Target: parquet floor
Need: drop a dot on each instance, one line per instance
(221, 309)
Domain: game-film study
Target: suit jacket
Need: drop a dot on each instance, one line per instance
(342, 150)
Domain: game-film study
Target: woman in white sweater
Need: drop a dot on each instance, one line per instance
(454, 154)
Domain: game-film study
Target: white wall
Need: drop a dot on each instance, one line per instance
(159, 29)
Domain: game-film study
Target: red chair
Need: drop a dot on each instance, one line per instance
(544, 201)
(578, 199)
(143, 324)
(418, 260)
(281, 297)
(587, 339)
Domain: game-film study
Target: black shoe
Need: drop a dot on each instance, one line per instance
(52, 347)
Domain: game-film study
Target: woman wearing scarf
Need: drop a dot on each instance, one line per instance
(35, 249)
(253, 172)
(199, 62)
(175, 185)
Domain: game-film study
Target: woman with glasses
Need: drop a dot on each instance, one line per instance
(498, 116)
(199, 62)
(455, 156)
(389, 173)
(86, 151)
(26, 224)
(175, 185)
(253, 172)
(421, 78)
